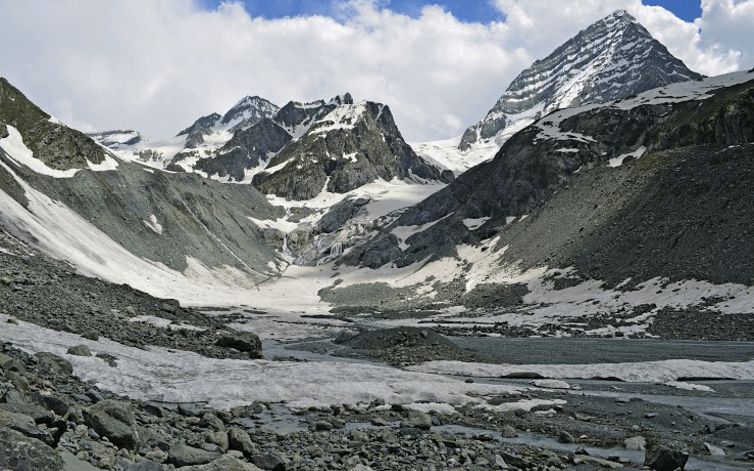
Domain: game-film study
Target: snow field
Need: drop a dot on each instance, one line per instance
(665, 372)
(177, 376)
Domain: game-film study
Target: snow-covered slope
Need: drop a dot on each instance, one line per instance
(614, 58)
(200, 140)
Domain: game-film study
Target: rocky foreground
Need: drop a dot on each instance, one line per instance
(49, 419)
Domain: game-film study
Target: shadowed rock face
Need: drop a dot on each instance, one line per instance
(351, 146)
(611, 59)
(58, 146)
(205, 122)
(639, 220)
(246, 150)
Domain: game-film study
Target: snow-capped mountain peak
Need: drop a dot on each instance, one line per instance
(611, 59)
(118, 140)
(249, 110)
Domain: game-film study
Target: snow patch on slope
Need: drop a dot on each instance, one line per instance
(14, 146)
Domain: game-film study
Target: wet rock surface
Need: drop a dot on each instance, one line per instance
(403, 346)
(376, 436)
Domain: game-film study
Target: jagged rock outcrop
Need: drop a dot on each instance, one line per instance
(247, 149)
(613, 58)
(57, 146)
(349, 147)
(203, 123)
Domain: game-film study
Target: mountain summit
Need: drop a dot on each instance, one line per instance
(613, 58)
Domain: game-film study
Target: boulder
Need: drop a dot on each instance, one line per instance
(239, 440)
(273, 461)
(114, 420)
(224, 463)
(24, 424)
(417, 419)
(80, 350)
(55, 364)
(184, 455)
(244, 342)
(53, 403)
(218, 438)
(145, 466)
(211, 421)
(21, 453)
(663, 458)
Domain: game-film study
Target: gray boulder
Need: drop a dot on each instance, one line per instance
(114, 420)
(211, 421)
(184, 455)
(663, 458)
(271, 461)
(21, 453)
(24, 424)
(239, 440)
(145, 466)
(54, 363)
(224, 463)
(80, 350)
(417, 419)
(243, 342)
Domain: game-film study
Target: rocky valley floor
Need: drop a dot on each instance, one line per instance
(61, 408)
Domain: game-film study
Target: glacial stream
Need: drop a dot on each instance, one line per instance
(727, 399)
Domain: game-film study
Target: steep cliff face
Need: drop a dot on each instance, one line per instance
(614, 58)
(350, 146)
(607, 188)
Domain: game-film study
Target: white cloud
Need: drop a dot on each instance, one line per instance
(157, 65)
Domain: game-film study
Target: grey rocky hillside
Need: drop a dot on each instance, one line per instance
(354, 144)
(160, 216)
(680, 211)
(58, 146)
(611, 59)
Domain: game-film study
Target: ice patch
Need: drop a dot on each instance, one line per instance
(618, 161)
(551, 384)
(688, 386)
(404, 232)
(472, 224)
(153, 224)
(178, 376)
(660, 372)
(165, 323)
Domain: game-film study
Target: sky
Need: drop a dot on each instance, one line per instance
(157, 65)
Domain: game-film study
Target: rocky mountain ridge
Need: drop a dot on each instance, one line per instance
(613, 58)
(256, 142)
(582, 183)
